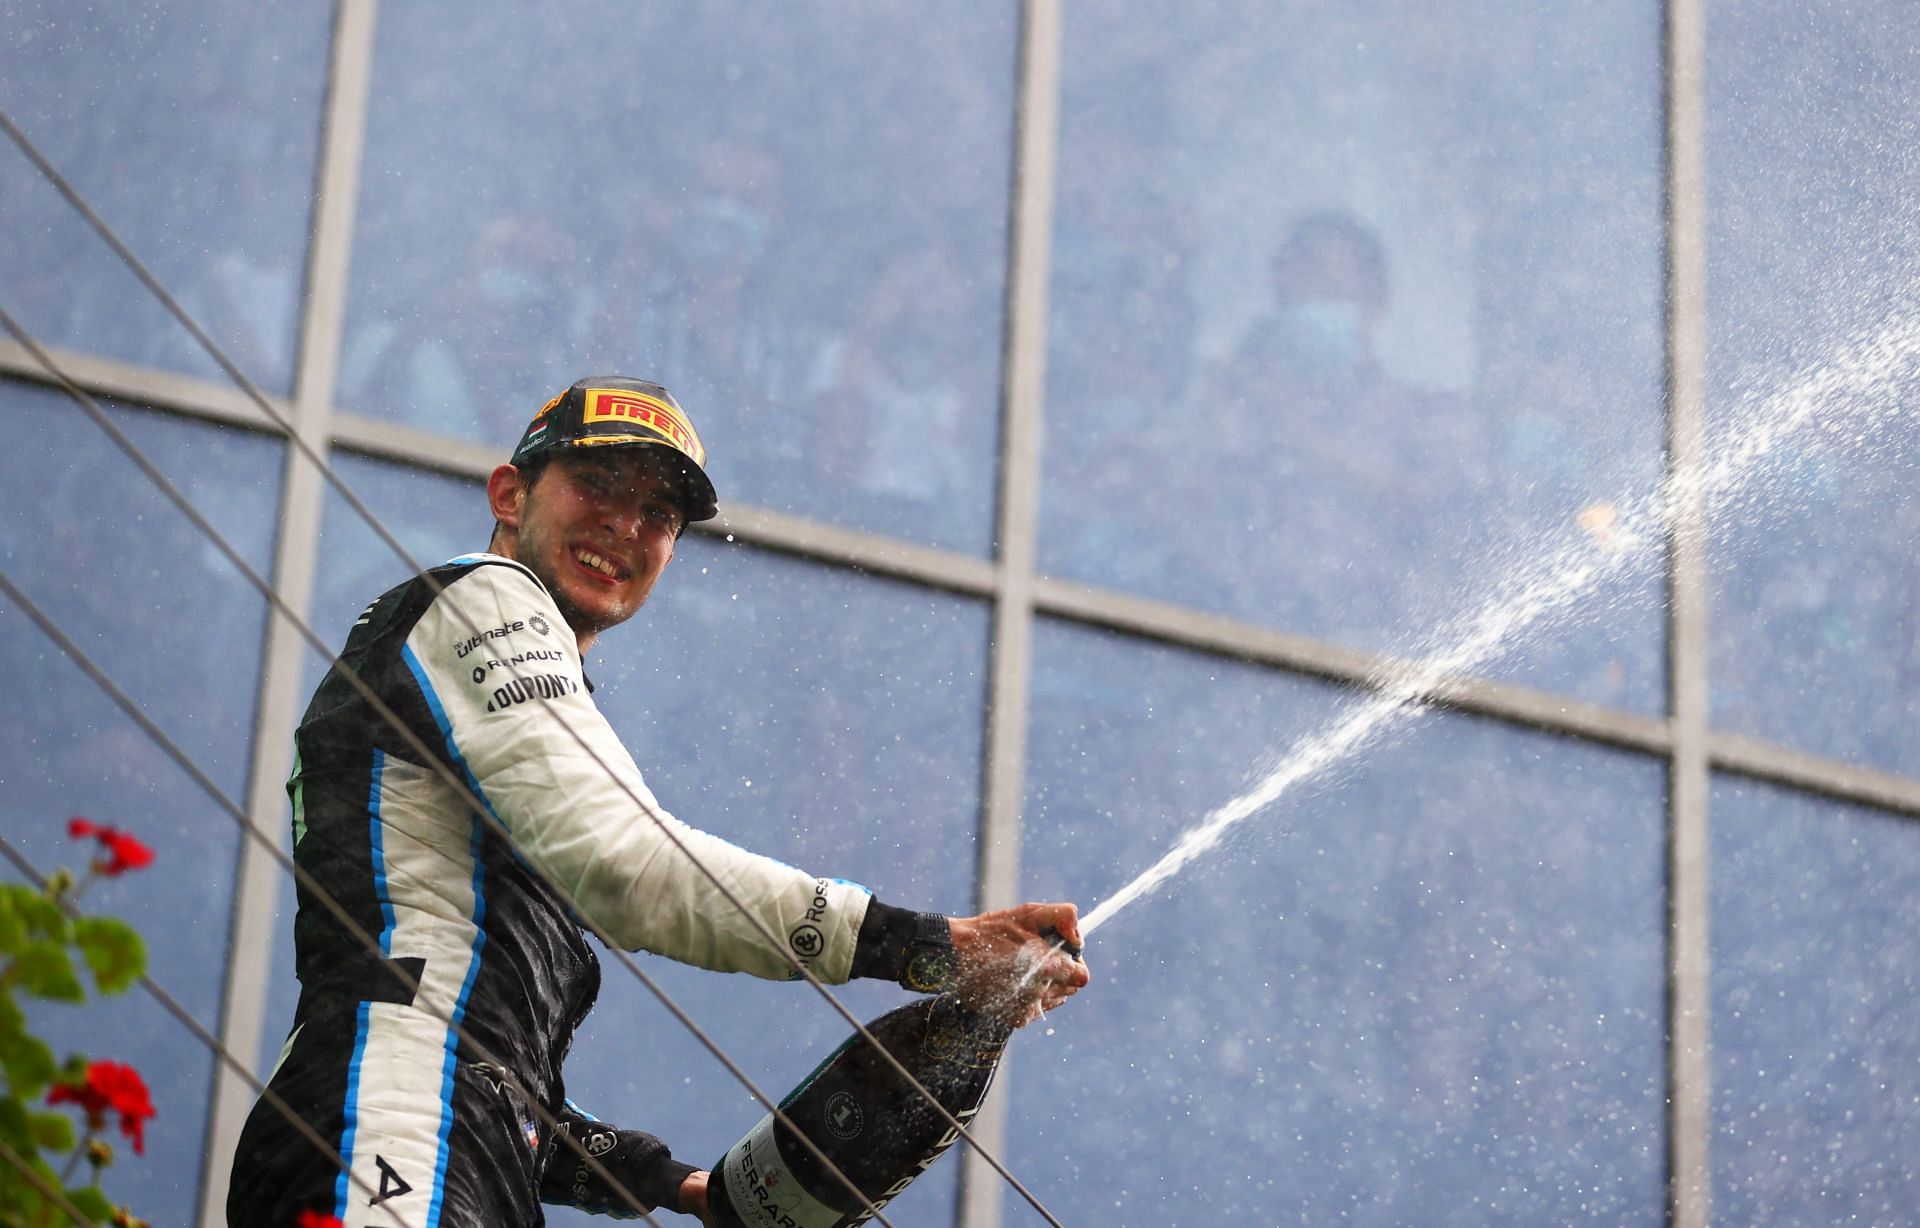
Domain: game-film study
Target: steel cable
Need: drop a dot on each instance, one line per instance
(254, 394)
(18, 1162)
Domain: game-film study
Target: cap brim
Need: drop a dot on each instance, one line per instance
(699, 500)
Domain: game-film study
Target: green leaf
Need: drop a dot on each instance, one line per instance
(45, 971)
(28, 1062)
(40, 916)
(13, 927)
(90, 1202)
(15, 1130)
(53, 1131)
(113, 951)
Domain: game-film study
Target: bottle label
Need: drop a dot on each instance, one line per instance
(764, 1191)
(949, 1041)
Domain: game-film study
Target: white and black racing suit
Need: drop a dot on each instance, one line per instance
(486, 677)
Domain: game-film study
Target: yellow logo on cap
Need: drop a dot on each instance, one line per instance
(622, 405)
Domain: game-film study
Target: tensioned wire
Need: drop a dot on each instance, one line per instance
(72, 195)
(147, 278)
(38, 1182)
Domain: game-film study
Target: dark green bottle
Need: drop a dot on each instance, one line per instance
(877, 1129)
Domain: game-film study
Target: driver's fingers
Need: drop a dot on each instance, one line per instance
(1059, 968)
(1063, 918)
(1053, 1000)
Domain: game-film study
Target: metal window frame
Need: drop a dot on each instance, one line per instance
(257, 886)
(1690, 763)
(1020, 593)
(1023, 366)
(1068, 601)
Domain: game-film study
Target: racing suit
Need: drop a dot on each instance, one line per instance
(486, 675)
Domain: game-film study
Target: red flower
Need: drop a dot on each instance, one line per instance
(124, 852)
(313, 1219)
(128, 853)
(111, 1086)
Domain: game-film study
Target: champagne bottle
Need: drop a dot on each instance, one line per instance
(878, 1130)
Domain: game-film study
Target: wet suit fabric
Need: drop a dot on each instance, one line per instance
(484, 673)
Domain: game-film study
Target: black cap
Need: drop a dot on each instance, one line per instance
(615, 411)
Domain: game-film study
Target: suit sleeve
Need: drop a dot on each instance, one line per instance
(499, 670)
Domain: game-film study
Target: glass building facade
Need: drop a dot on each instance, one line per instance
(1107, 403)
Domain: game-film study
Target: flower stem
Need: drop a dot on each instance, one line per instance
(73, 1161)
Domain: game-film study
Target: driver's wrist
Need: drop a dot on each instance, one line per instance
(932, 961)
(693, 1194)
(886, 936)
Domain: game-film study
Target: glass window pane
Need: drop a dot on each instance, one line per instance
(1816, 981)
(793, 218)
(1816, 627)
(1357, 309)
(177, 627)
(193, 129)
(1424, 987)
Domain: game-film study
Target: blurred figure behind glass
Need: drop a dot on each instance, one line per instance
(1360, 457)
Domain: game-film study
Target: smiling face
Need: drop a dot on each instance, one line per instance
(596, 526)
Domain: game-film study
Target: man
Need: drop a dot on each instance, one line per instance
(1361, 454)
(480, 661)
